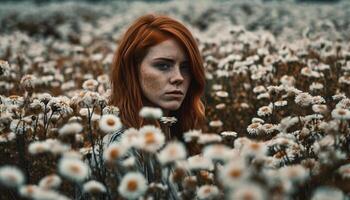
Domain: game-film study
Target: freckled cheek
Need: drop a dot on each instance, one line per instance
(153, 83)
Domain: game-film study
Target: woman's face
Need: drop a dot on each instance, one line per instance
(165, 75)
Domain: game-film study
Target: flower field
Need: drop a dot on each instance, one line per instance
(277, 103)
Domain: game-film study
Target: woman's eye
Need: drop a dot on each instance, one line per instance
(162, 66)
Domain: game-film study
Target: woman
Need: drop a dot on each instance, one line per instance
(157, 64)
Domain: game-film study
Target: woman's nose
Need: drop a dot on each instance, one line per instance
(176, 76)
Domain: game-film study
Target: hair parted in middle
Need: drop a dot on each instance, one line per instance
(147, 31)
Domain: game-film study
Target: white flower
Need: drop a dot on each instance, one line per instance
(90, 84)
(172, 151)
(320, 108)
(264, 111)
(209, 138)
(256, 149)
(38, 147)
(28, 81)
(327, 193)
(316, 86)
(259, 89)
(249, 191)
(151, 113)
(73, 169)
(233, 172)
(114, 110)
(344, 171)
(229, 134)
(198, 162)
(254, 128)
(109, 123)
(216, 123)
(152, 138)
(280, 103)
(217, 152)
(220, 106)
(114, 151)
(133, 185)
(28, 191)
(340, 113)
(70, 129)
(6, 137)
(11, 176)
(192, 135)
(303, 99)
(94, 187)
(222, 94)
(207, 192)
(50, 182)
(131, 138)
(295, 173)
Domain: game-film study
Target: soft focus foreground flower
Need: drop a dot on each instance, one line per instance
(110, 123)
(171, 152)
(198, 162)
(73, 169)
(50, 181)
(38, 147)
(114, 152)
(151, 113)
(70, 128)
(344, 171)
(133, 185)
(207, 192)
(234, 172)
(327, 193)
(296, 173)
(217, 152)
(340, 113)
(11, 176)
(152, 138)
(94, 187)
(249, 191)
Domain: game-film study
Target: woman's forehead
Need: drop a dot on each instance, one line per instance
(170, 49)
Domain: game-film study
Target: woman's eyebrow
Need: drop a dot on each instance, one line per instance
(169, 59)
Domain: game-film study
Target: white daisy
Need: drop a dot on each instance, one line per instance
(209, 138)
(232, 134)
(90, 84)
(114, 152)
(215, 123)
(192, 135)
(207, 192)
(217, 152)
(340, 113)
(264, 111)
(73, 169)
(109, 123)
(254, 128)
(253, 148)
(152, 138)
(249, 191)
(70, 129)
(37, 147)
(11, 176)
(50, 182)
(303, 99)
(28, 191)
(222, 94)
(94, 187)
(151, 113)
(133, 185)
(320, 108)
(327, 193)
(199, 162)
(171, 152)
(344, 171)
(233, 173)
(295, 173)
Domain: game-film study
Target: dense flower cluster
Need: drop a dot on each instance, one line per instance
(277, 105)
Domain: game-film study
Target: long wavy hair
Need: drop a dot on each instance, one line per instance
(126, 94)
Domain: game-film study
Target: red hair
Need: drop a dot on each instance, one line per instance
(126, 94)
